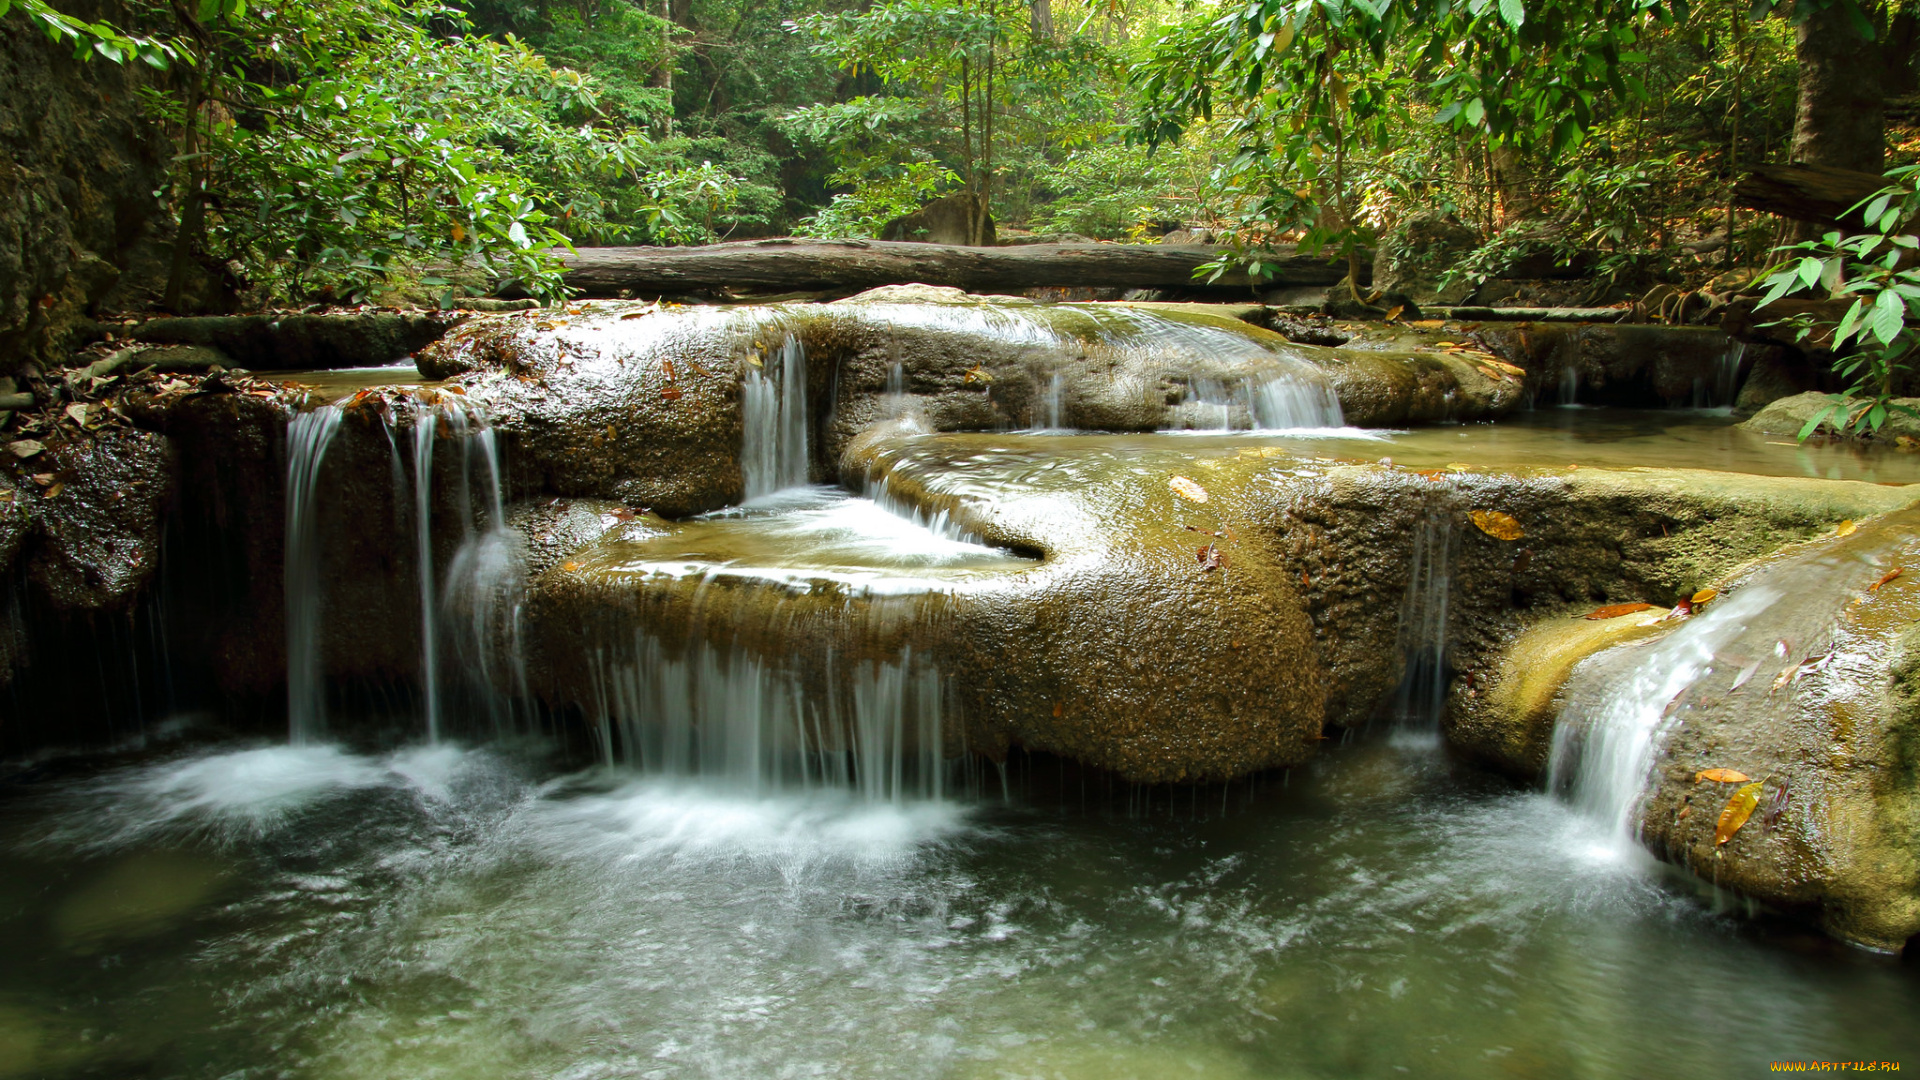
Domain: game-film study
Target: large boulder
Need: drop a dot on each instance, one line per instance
(945, 220)
(1790, 415)
(1813, 693)
(1414, 256)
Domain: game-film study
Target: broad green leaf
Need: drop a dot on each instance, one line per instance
(1889, 315)
(1514, 12)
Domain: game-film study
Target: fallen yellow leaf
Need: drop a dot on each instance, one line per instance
(1738, 810)
(1187, 489)
(1845, 528)
(1704, 595)
(1614, 611)
(1721, 776)
(1497, 525)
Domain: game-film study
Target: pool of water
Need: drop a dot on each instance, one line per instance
(314, 912)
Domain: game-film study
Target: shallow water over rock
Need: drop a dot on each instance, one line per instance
(474, 913)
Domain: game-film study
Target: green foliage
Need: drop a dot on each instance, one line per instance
(1307, 86)
(971, 85)
(877, 199)
(1876, 339)
(328, 147)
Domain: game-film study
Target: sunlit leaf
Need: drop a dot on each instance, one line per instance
(1703, 596)
(1738, 809)
(1187, 489)
(1497, 525)
(1614, 611)
(1845, 528)
(1721, 776)
(1886, 577)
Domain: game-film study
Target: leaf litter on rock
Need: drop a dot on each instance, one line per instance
(1738, 809)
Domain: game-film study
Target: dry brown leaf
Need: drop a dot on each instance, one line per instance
(979, 375)
(54, 491)
(666, 368)
(1739, 809)
(1886, 577)
(1703, 596)
(670, 393)
(1721, 776)
(1395, 313)
(636, 314)
(1187, 489)
(1497, 525)
(1614, 611)
(1210, 558)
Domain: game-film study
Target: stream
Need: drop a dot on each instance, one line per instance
(191, 905)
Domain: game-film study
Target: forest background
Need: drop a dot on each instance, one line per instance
(329, 149)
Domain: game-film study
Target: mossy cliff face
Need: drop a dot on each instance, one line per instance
(78, 168)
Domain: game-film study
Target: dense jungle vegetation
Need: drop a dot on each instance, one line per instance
(329, 148)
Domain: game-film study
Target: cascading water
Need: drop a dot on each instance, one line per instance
(1423, 622)
(774, 407)
(1727, 385)
(1605, 744)
(475, 611)
(308, 437)
(1284, 403)
(729, 718)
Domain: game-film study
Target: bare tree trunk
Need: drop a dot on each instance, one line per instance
(662, 76)
(1839, 119)
(1512, 183)
(1040, 19)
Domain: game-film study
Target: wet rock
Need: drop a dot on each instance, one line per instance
(1627, 364)
(643, 403)
(1117, 646)
(1776, 372)
(1829, 723)
(97, 505)
(1592, 537)
(1788, 415)
(1506, 718)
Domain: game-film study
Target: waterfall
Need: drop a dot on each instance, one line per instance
(1285, 402)
(1569, 385)
(1053, 402)
(1282, 402)
(308, 437)
(773, 453)
(725, 715)
(1728, 383)
(1421, 697)
(1605, 744)
(475, 612)
(423, 432)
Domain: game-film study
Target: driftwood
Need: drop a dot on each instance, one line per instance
(848, 266)
(1817, 193)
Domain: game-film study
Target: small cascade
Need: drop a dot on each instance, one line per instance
(1605, 744)
(1727, 385)
(773, 402)
(1053, 404)
(1422, 695)
(1285, 403)
(1569, 386)
(726, 716)
(474, 611)
(940, 523)
(308, 437)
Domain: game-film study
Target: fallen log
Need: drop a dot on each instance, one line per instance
(1531, 314)
(1817, 193)
(848, 266)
